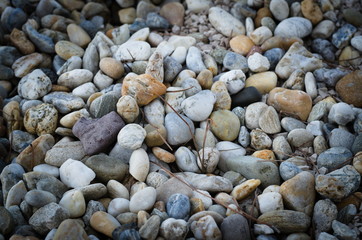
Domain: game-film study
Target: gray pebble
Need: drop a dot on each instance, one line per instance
(342, 36)
(178, 131)
(357, 144)
(315, 128)
(20, 140)
(39, 198)
(194, 60)
(172, 68)
(341, 113)
(342, 231)
(334, 158)
(346, 214)
(324, 48)
(329, 76)
(341, 138)
(103, 105)
(233, 61)
(64, 102)
(290, 124)
(288, 170)
(325, 212)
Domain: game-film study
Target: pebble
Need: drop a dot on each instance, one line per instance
(270, 201)
(245, 97)
(154, 112)
(255, 168)
(48, 217)
(223, 125)
(343, 231)
(208, 159)
(325, 211)
(178, 131)
(194, 60)
(206, 182)
(111, 67)
(347, 88)
(104, 223)
(133, 51)
(259, 140)
(323, 29)
(311, 11)
(139, 164)
(97, 135)
(178, 206)
(279, 9)
(199, 106)
(341, 113)
(74, 202)
(343, 35)
(235, 227)
(274, 55)
(269, 121)
(118, 206)
(228, 150)
(258, 63)
(70, 228)
(204, 138)
(186, 160)
(334, 157)
(235, 61)
(174, 13)
(70, 172)
(206, 228)
(75, 78)
(244, 189)
(234, 80)
(155, 21)
(143, 200)
(300, 138)
(225, 23)
(253, 113)
(111, 168)
(241, 44)
(66, 49)
(297, 57)
(341, 138)
(41, 119)
(294, 102)
(294, 27)
(34, 85)
(131, 136)
(26, 64)
(174, 228)
(281, 147)
(287, 221)
(64, 102)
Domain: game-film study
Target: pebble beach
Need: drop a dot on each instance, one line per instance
(181, 119)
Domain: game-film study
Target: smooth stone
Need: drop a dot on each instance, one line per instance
(325, 212)
(342, 36)
(208, 159)
(39, 198)
(260, 35)
(287, 221)
(234, 80)
(206, 228)
(294, 102)
(139, 164)
(300, 138)
(279, 9)
(64, 102)
(104, 223)
(186, 160)
(234, 61)
(259, 140)
(111, 67)
(269, 121)
(144, 88)
(341, 113)
(244, 189)
(244, 137)
(16, 194)
(20, 140)
(235, 227)
(223, 99)
(341, 138)
(326, 49)
(78, 35)
(288, 170)
(48, 217)
(329, 76)
(92, 207)
(155, 21)
(26, 64)
(206, 183)
(294, 27)
(264, 82)
(356, 147)
(194, 60)
(253, 113)
(173, 12)
(297, 57)
(281, 147)
(127, 108)
(241, 44)
(13, 18)
(270, 201)
(178, 206)
(223, 123)
(107, 168)
(326, 236)
(258, 63)
(311, 11)
(172, 67)
(347, 213)
(75, 78)
(343, 231)
(356, 43)
(41, 119)
(151, 228)
(74, 173)
(70, 229)
(225, 23)
(97, 135)
(34, 85)
(133, 51)
(62, 151)
(178, 131)
(155, 112)
(74, 202)
(16, 172)
(85, 90)
(66, 49)
(131, 136)
(245, 97)
(103, 105)
(9, 55)
(255, 168)
(156, 135)
(274, 55)
(74, 62)
(347, 88)
(228, 150)
(118, 206)
(6, 73)
(338, 184)
(174, 228)
(143, 200)
(191, 85)
(198, 6)
(199, 106)
(334, 157)
(323, 29)
(174, 98)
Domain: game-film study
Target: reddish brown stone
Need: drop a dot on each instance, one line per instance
(349, 88)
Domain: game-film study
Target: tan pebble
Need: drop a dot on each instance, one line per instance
(127, 108)
(205, 79)
(355, 199)
(111, 67)
(25, 64)
(72, 4)
(156, 135)
(241, 44)
(160, 205)
(349, 88)
(70, 119)
(105, 202)
(245, 189)
(142, 217)
(224, 198)
(280, 42)
(104, 223)
(293, 102)
(77, 35)
(127, 15)
(59, 88)
(12, 115)
(41, 119)
(174, 12)
(163, 155)
(264, 154)
(357, 162)
(20, 41)
(264, 81)
(223, 99)
(261, 13)
(67, 49)
(349, 53)
(311, 11)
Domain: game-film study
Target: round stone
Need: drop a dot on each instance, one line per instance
(179, 128)
(111, 67)
(241, 44)
(199, 106)
(234, 80)
(178, 206)
(66, 49)
(224, 124)
(78, 35)
(41, 119)
(294, 27)
(279, 9)
(347, 88)
(131, 136)
(264, 82)
(139, 164)
(34, 85)
(143, 200)
(74, 202)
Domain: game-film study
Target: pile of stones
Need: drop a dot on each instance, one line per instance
(180, 119)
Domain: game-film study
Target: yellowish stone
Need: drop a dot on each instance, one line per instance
(245, 189)
(264, 81)
(241, 44)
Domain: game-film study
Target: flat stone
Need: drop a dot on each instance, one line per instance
(62, 151)
(334, 157)
(107, 168)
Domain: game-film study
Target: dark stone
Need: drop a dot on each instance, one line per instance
(45, 7)
(171, 69)
(178, 206)
(107, 168)
(324, 48)
(341, 138)
(245, 97)
(6, 73)
(155, 21)
(92, 207)
(8, 55)
(25, 230)
(126, 232)
(42, 42)
(10, 176)
(353, 16)
(26, 5)
(3, 94)
(97, 135)
(235, 227)
(103, 105)
(357, 144)
(235, 61)
(6, 221)
(346, 214)
(329, 76)
(13, 18)
(39, 198)
(138, 24)
(334, 158)
(58, 63)
(18, 217)
(89, 27)
(328, 128)
(274, 55)
(357, 125)
(51, 74)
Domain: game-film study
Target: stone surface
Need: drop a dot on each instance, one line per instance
(139, 164)
(225, 23)
(70, 173)
(223, 125)
(143, 200)
(41, 119)
(34, 85)
(294, 27)
(179, 128)
(347, 88)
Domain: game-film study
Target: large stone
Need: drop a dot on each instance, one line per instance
(293, 102)
(225, 23)
(294, 27)
(349, 88)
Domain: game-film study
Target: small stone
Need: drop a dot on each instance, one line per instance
(281, 147)
(70, 229)
(133, 51)
(39, 198)
(223, 125)
(341, 113)
(311, 11)
(155, 21)
(174, 13)
(288, 170)
(34, 85)
(199, 106)
(295, 102)
(111, 67)
(269, 121)
(74, 202)
(178, 206)
(274, 55)
(234, 80)
(206, 228)
(270, 201)
(297, 57)
(74, 173)
(253, 113)
(347, 88)
(342, 36)
(62, 151)
(143, 200)
(241, 44)
(342, 231)
(341, 138)
(118, 206)
(104, 223)
(194, 60)
(41, 119)
(208, 159)
(77, 35)
(64, 102)
(174, 228)
(287, 221)
(72, 63)
(300, 138)
(325, 211)
(26, 64)
(163, 155)
(260, 35)
(20, 41)
(245, 97)
(264, 81)
(48, 217)
(110, 168)
(235, 61)
(244, 189)
(259, 139)
(66, 49)
(131, 136)
(334, 158)
(206, 182)
(75, 78)
(235, 227)
(186, 160)
(178, 131)
(294, 27)
(225, 23)
(223, 99)
(324, 29)
(144, 88)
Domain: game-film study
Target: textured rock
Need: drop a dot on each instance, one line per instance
(225, 23)
(347, 88)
